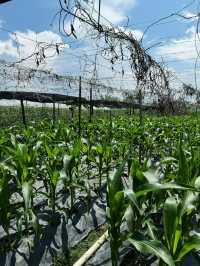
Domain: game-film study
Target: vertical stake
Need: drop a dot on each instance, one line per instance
(79, 108)
(58, 110)
(140, 107)
(91, 104)
(54, 112)
(23, 113)
(99, 15)
(141, 123)
(67, 111)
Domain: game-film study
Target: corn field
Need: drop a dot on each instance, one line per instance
(99, 134)
(150, 202)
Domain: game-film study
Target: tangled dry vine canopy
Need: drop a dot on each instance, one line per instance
(120, 45)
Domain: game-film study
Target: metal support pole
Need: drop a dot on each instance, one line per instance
(23, 113)
(54, 113)
(91, 104)
(58, 110)
(141, 123)
(79, 108)
(140, 106)
(99, 15)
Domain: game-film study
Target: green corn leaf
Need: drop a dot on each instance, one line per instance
(168, 160)
(192, 243)
(118, 200)
(68, 163)
(153, 247)
(170, 221)
(130, 195)
(115, 182)
(178, 234)
(99, 149)
(146, 188)
(151, 229)
(152, 175)
(129, 218)
(197, 183)
(13, 140)
(34, 221)
(63, 174)
(4, 202)
(183, 173)
(27, 193)
(188, 203)
(117, 206)
(55, 178)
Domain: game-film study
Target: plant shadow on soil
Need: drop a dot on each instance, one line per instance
(56, 228)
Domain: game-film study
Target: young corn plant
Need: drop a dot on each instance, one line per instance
(22, 167)
(29, 216)
(5, 206)
(52, 174)
(118, 202)
(67, 177)
(115, 212)
(180, 238)
(108, 158)
(98, 158)
(70, 173)
(178, 214)
(87, 151)
(176, 243)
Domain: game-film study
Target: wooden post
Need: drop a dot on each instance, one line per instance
(67, 113)
(110, 129)
(43, 110)
(140, 123)
(99, 15)
(72, 113)
(58, 110)
(54, 113)
(110, 115)
(23, 113)
(140, 107)
(91, 104)
(79, 108)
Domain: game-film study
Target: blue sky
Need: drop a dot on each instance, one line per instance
(36, 15)
(32, 19)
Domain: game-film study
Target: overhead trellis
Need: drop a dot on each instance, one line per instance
(18, 78)
(64, 99)
(120, 45)
(53, 98)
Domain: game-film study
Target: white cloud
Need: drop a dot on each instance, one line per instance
(137, 34)
(190, 15)
(23, 44)
(181, 48)
(7, 48)
(181, 53)
(112, 14)
(124, 4)
(115, 10)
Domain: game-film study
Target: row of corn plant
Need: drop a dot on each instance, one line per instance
(156, 209)
(141, 195)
